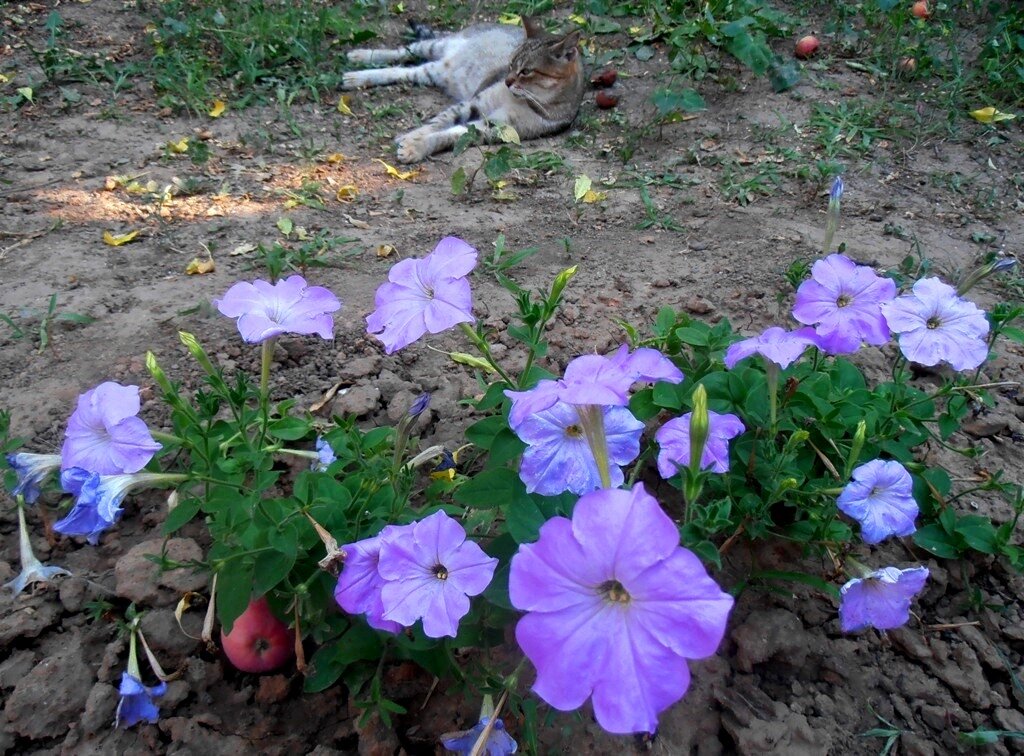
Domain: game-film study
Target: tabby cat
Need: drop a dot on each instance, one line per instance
(498, 74)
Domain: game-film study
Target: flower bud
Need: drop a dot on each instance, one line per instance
(192, 344)
(699, 427)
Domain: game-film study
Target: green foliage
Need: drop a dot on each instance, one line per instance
(42, 321)
(246, 52)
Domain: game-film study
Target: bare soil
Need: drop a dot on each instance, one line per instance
(785, 681)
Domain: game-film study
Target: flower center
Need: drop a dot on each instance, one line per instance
(934, 322)
(613, 590)
(844, 300)
(574, 431)
(440, 571)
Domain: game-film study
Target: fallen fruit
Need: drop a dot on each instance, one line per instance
(806, 47)
(605, 100)
(605, 78)
(920, 9)
(258, 641)
(907, 65)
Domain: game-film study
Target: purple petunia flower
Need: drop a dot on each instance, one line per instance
(595, 380)
(358, 589)
(499, 742)
(674, 442)
(32, 470)
(137, 701)
(776, 344)
(266, 310)
(424, 296)
(881, 499)
(32, 570)
(935, 325)
(430, 571)
(836, 192)
(615, 607)
(558, 457)
(881, 599)
(843, 300)
(104, 435)
(98, 499)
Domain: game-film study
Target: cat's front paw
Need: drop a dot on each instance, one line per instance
(359, 56)
(412, 147)
(355, 79)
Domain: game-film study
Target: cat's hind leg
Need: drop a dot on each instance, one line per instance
(427, 49)
(425, 74)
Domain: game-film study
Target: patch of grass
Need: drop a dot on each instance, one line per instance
(655, 217)
(42, 321)
(854, 127)
(743, 186)
(245, 52)
(318, 251)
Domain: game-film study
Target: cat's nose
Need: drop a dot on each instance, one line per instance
(510, 80)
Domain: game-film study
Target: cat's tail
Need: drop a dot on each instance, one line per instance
(421, 32)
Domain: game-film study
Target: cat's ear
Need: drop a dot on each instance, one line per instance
(533, 27)
(567, 47)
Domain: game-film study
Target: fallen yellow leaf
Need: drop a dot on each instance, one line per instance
(198, 267)
(347, 193)
(335, 157)
(511, 19)
(385, 250)
(343, 104)
(218, 109)
(590, 196)
(991, 115)
(401, 175)
(118, 239)
(178, 147)
(581, 187)
(4, 78)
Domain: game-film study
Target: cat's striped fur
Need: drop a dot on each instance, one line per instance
(497, 74)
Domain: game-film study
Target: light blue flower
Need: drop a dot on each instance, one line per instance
(559, 457)
(881, 599)
(137, 701)
(32, 570)
(499, 742)
(325, 456)
(98, 499)
(32, 470)
(880, 497)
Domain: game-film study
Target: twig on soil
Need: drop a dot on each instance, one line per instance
(20, 189)
(433, 687)
(951, 625)
(26, 237)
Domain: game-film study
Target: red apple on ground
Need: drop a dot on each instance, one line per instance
(258, 641)
(606, 100)
(807, 46)
(920, 9)
(606, 78)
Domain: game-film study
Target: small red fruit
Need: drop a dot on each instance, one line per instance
(806, 47)
(605, 78)
(258, 641)
(606, 101)
(920, 9)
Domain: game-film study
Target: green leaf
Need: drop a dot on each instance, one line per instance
(271, 568)
(360, 642)
(181, 514)
(458, 181)
(669, 101)
(978, 532)
(234, 590)
(492, 488)
(483, 432)
(524, 519)
(783, 76)
(289, 428)
(933, 539)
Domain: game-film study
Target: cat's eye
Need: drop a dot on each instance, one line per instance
(525, 71)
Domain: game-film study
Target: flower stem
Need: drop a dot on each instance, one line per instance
(168, 438)
(772, 374)
(133, 652)
(266, 360)
(485, 350)
(592, 421)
